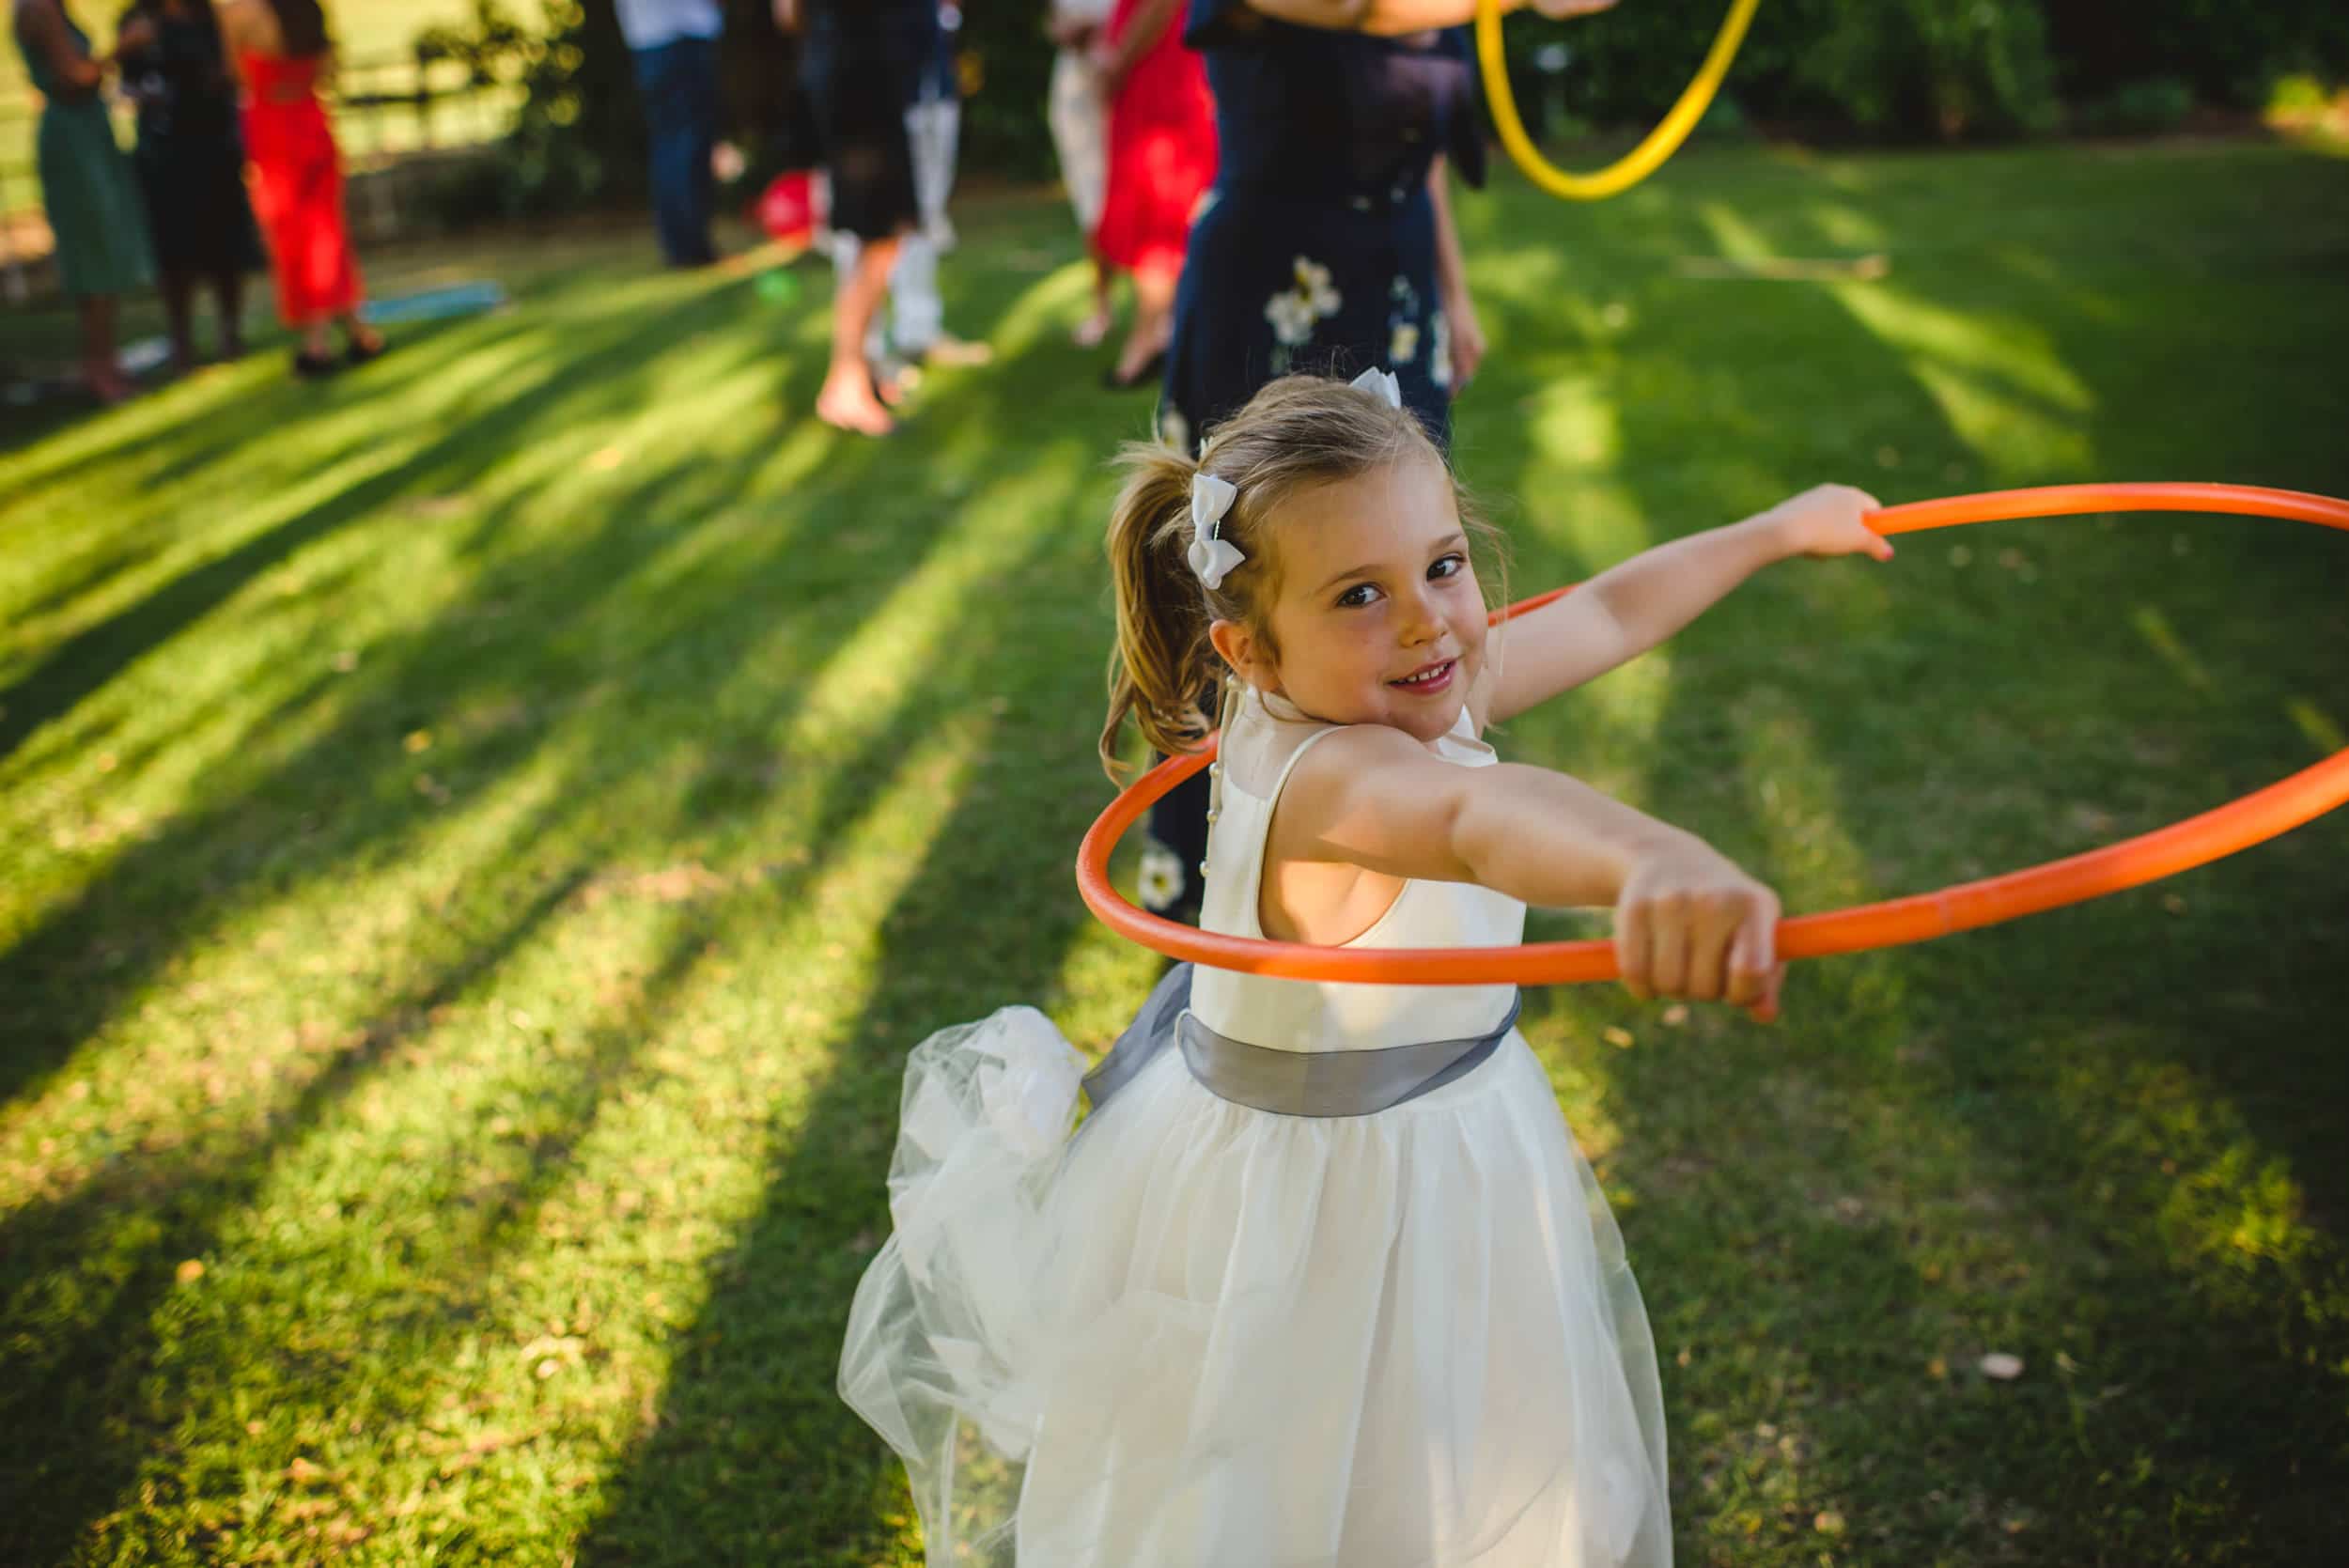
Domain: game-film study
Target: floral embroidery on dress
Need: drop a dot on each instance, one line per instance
(1294, 311)
(1439, 350)
(1173, 429)
(1292, 319)
(1403, 331)
(1161, 879)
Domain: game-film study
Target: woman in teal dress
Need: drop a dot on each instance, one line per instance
(86, 185)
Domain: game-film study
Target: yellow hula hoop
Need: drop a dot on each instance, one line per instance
(1641, 161)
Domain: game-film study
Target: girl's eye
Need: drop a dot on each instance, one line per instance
(1357, 596)
(1450, 565)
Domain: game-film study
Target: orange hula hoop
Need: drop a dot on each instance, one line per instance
(2198, 840)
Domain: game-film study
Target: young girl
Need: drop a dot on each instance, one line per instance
(1327, 1282)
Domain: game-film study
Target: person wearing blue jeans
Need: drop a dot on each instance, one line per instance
(675, 45)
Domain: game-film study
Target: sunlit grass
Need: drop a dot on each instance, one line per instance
(478, 838)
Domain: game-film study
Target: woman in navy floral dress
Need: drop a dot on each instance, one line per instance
(1326, 244)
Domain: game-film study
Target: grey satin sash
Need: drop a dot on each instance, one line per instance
(1288, 1083)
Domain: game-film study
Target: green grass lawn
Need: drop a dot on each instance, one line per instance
(479, 839)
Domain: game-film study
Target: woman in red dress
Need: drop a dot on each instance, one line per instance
(283, 55)
(1161, 162)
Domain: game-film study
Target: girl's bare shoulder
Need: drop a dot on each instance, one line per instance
(1373, 797)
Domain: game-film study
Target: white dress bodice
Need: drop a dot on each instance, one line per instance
(1262, 743)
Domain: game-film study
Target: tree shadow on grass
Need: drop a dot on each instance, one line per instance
(202, 418)
(751, 1457)
(160, 897)
(87, 661)
(108, 941)
(77, 1418)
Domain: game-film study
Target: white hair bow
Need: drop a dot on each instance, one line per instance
(1211, 557)
(1382, 382)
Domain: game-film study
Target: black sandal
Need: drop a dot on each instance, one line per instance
(314, 367)
(357, 353)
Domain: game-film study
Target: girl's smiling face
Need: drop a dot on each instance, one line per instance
(1378, 619)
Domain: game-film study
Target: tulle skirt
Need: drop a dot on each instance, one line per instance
(1198, 1333)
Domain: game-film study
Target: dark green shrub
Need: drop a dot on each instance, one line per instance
(1930, 67)
(1723, 121)
(1944, 68)
(2226, 51)
(1007, 71)
(2148, 108)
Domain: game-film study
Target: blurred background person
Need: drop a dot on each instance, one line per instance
(916, 330)
(1162, 158)
(190, 166)
(281, 53)
(1330, 245)
(675, 43)
(1078, 115)
(860, 64)
(87, 186)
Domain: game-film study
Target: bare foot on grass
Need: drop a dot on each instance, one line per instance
(848, 402)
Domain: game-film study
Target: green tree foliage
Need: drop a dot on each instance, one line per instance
(1886, 68)
(1903, 69)
(1007, 72)
(578, 139)
(1952, 68)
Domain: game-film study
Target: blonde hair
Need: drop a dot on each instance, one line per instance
(1296, 433)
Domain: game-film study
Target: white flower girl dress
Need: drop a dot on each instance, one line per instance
(1322, 1279)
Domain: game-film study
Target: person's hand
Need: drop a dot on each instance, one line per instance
(1467, 340)
(787, 15)
(1689, 923)
(1562, 10)
(136, 34)
(1827, 519)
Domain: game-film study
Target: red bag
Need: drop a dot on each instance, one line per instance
(787, 209)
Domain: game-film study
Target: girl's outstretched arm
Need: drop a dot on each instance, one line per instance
(1628, 608)
(1689, 922)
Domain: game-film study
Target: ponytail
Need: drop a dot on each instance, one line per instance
(1163, 670)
